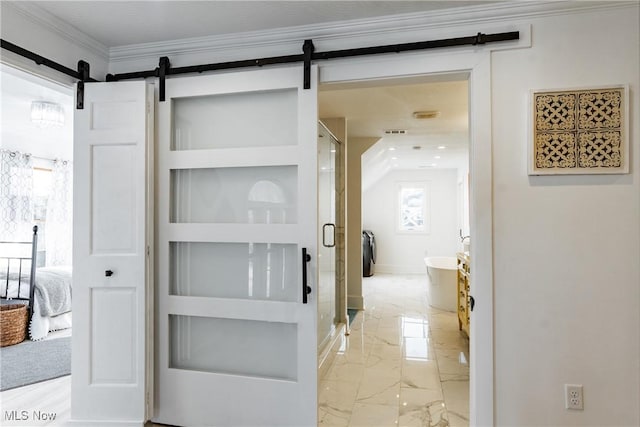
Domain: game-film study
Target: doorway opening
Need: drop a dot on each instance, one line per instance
(36, 196)
(411, 139)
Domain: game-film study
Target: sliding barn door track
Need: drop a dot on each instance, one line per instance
(307, 56)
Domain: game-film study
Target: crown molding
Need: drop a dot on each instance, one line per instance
(502, 12)
(51, 22)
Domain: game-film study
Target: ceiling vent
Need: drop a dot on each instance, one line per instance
(395, 131)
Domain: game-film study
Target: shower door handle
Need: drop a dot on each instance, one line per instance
(324, 235)
(306, 289)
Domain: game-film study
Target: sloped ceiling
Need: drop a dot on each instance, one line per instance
(436, 143)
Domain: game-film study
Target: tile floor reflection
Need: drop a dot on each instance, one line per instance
(404, 363)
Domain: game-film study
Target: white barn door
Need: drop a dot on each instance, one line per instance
(237, 208)
(113, 142)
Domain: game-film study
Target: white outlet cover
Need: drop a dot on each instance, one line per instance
(573, 395)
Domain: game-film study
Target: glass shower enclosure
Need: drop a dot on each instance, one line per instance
(327, 304)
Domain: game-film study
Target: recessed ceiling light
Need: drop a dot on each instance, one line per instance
(392, 148)
(426, 114)
(436, 157)
(333, 150)
(394, 158)
(441, 147)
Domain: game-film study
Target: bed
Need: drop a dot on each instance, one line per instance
(46, 291)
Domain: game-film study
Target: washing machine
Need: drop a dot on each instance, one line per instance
(368, 253)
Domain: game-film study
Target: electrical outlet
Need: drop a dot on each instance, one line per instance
(573, 398)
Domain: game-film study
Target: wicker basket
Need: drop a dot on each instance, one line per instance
(13, 324)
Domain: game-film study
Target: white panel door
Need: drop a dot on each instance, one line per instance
(236, 209)
(113, 142)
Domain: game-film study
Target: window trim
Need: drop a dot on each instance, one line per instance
(426, 206)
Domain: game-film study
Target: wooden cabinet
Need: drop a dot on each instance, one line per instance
(463, 292)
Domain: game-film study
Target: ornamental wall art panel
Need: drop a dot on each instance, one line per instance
(579, 131)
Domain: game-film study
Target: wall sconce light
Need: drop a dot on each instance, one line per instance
(46, 114)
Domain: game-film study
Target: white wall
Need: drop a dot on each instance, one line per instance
(403, 253)
(463, 205)
(353, 206)
(566, 249)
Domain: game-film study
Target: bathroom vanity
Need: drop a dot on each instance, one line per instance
(464, 279)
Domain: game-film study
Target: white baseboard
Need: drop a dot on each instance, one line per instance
(328, 354)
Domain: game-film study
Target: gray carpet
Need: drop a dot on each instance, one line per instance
(34, 361)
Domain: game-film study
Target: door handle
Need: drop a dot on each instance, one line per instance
(324, 235)
(108, 273)
(472, 302)
(306, 289)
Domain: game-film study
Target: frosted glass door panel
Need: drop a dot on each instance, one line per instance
(262, 271)
(230, 346)
(249, 119)
(251, 195)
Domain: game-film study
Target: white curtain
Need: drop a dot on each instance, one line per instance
(16, 196)
(59, 215)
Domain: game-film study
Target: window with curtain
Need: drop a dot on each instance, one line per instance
(59, 219)
(37, 195)
(16, 191)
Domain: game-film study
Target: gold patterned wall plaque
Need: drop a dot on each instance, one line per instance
(579, 131)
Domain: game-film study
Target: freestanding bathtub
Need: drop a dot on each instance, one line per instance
(442, 283)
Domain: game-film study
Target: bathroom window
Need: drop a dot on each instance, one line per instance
(413, 204)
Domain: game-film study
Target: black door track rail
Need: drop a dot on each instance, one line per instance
(308, 55)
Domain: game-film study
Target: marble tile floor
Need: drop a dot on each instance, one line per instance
(404, 363)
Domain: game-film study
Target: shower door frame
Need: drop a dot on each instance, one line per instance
(333, 245)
